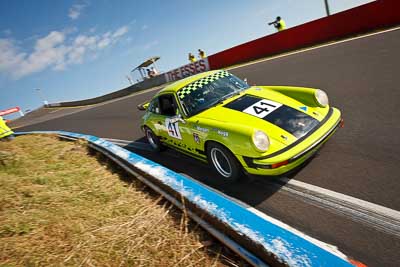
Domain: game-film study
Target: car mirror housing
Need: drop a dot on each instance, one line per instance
(177, 118)
(143, 106)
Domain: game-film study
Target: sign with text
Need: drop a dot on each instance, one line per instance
(187, 70)
(9, 111)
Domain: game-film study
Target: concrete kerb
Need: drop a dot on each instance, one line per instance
(255, 238)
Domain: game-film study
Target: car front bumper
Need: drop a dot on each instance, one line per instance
(294, 155)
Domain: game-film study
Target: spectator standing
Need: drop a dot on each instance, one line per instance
(5, 132)
(149, 73)
(192, 58)
(279, 24)
(202, 54)
(154, 71)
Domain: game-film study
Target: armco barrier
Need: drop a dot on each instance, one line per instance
(374, 15)
(146, 84)
(259, 239)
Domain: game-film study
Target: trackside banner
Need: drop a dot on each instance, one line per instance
(187, 70)
(9, 111)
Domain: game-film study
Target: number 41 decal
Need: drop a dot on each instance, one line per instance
(173, 128)
(262, 108)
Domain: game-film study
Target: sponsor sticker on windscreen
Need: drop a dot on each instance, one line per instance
(262, 108)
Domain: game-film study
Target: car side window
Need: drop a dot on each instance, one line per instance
(168, 106)
(154, 106)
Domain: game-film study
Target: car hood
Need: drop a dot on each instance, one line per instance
(284, 119)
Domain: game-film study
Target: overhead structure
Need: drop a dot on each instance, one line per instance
(143, 66)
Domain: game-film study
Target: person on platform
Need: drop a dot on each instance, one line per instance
(6, 134)
(202, 54)
(279, 24)
(154, 71)
(192, 58)
(149, 73)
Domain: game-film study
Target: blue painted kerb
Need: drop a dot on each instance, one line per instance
(287, 246)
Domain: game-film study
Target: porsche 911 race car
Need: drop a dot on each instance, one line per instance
(218, 118)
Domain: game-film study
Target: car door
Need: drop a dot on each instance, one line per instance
(173, 129)
(153, 117)
(166, 122)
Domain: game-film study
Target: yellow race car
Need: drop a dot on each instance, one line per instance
(218, 118)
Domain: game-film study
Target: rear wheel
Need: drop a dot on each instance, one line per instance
(153, 140)
(223, 162)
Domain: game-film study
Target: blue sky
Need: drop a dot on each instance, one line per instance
(74, 50)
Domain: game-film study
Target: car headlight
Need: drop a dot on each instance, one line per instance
(321, 97)
(260, 140)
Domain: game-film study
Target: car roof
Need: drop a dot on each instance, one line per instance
(174, 87)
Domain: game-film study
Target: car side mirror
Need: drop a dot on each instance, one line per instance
(143, 106)
(177, 118)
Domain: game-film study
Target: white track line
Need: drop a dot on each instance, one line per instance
(312, 48)
(354, 201)
(378, 217)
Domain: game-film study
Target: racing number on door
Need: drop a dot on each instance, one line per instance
(262, 108)
(173, 129)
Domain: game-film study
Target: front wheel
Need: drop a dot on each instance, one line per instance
(153, 140)
(223, 161)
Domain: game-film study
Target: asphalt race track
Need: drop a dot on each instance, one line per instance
(362, 160)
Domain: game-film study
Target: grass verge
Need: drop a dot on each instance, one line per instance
(61, 205)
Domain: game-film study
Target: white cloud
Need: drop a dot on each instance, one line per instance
(10, 57)
(48, 51)
(121, 31)
(7, 32)
(76, 55)
(104, 43)
(110, 38)
(55, 51)
(75, 11)
(150, 45)
(83, 40)
(51, 40)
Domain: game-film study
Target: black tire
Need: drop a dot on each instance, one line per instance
(223, 162)
(153, 140)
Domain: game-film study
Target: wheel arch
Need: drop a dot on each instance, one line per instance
(235, 166)
(210, 141)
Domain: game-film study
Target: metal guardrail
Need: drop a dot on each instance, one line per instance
(260, 240)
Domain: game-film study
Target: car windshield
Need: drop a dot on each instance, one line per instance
(209, 91)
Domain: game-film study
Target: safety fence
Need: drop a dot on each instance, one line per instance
(259, 239)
